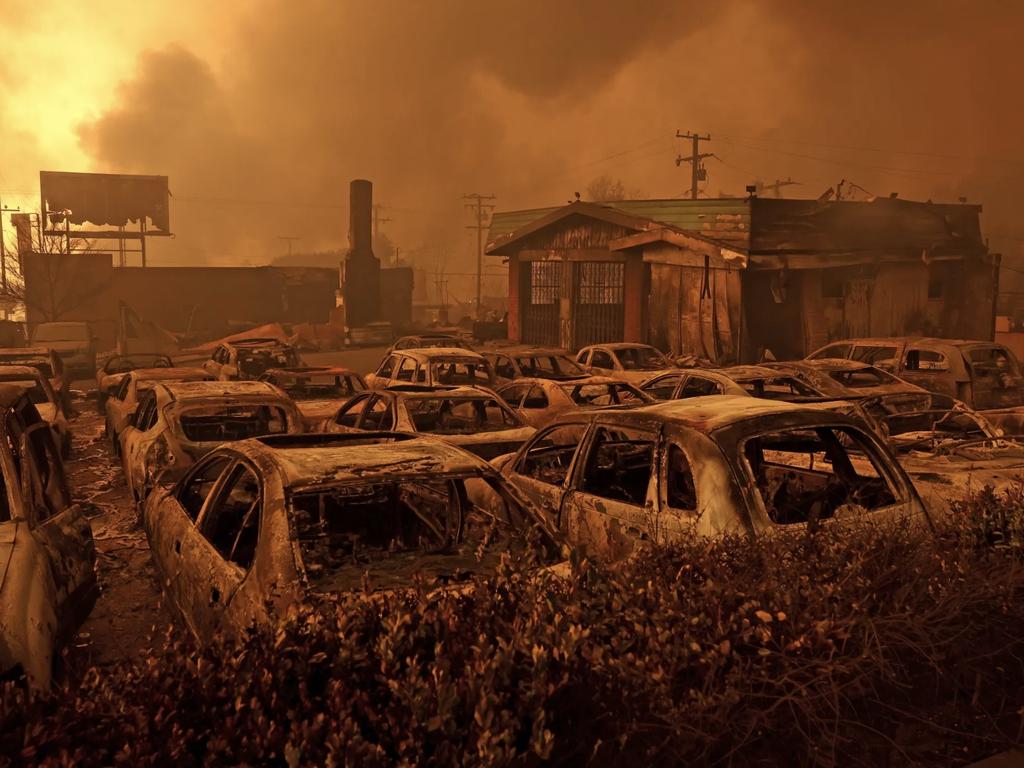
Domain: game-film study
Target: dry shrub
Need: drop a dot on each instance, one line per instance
(871, 646)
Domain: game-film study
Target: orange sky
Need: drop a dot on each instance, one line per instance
(260, 112)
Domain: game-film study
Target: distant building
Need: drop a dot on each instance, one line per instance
(729, 278)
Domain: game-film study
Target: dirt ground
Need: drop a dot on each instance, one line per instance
(129, 613)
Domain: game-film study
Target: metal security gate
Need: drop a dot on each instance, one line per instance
(540, 291)
(598, 302)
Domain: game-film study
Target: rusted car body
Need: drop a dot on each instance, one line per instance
(432, 367)
(611, 478)
(47, 404)
(511, 363)
(124, 400)
(538, 400)
(249, 359)
(47, 555)
(47, 361)
(179, 422)
(318, 391)
(429, 340)
(982, 374)
(470, 417)
(274, 520)
(848, 378)
(116, 367)
(635, 363)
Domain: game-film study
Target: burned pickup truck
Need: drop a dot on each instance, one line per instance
(275, 520)
(611, 478)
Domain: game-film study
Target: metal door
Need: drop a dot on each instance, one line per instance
(598, 302)
(541, 291)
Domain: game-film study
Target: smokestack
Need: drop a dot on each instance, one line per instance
(361, 279)
(360, 218)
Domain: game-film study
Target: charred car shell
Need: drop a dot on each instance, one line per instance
(321, 513)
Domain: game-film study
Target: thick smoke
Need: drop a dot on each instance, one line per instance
(532, 100)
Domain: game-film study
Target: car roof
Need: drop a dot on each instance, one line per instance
(567, 382)
(311, 370)
(416, 392)
(750, 372)
(312, 460)
(527, 350)
(172, 373)
(256, 343)
(704, 414)
(25, 352)
(929, 340)
(425, 354)
(831, 364)
(617, 345)
(21, 370)
(199, 390)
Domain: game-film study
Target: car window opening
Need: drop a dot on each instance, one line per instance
(459, 416)
(220, 423)
(807, 475)
(619, 466)
(391, 531)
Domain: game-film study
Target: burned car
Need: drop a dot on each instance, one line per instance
(847, 378)
(47, 361)
(470, 417)
(429, 340)
(537, 400)
(47, 555)
(982, 374)
(250, 359)
(624, 360)
(433, 366)
(47, 404)
(511, 363)
(276, 520)
(610, 478)
(753, 380)
(116, 367)
(317, 390)
(124, 400)
(179, 422)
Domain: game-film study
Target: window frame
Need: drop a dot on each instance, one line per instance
(223, 485)
(567, 481)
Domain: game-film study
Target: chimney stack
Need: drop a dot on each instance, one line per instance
(361, 280)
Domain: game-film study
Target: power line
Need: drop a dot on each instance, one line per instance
(482, 212)
(697, 170)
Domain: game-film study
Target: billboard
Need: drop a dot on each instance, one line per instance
(107, 198)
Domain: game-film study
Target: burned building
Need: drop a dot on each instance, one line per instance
(728, 279)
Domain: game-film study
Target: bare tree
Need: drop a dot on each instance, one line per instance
(49, 282)
(606, 189)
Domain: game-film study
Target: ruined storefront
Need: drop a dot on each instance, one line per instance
(732, 280)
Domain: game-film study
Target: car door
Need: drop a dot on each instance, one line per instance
(59, 526)
(383, 375)
(542, 469)
(170, 517)
(136, 438)
(608, 507)
(117, 408)
(221, 549)
(696, 385)
(931, 369)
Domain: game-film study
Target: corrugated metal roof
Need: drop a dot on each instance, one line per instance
(726, 219)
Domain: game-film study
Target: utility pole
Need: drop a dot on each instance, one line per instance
(3, 248)
(482, 210)
(289, 239)
(777, 186)
(697, 169)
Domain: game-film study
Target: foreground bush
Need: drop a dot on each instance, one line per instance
(879, 646)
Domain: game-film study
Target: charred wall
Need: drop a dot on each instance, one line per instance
(199, 301)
